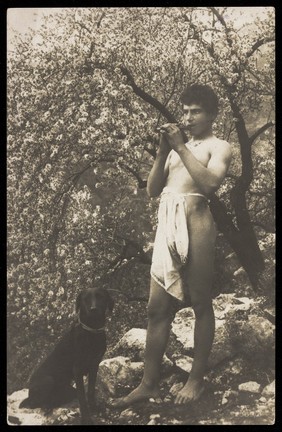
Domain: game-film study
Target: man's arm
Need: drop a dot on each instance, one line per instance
(159, 172)
(207, 178)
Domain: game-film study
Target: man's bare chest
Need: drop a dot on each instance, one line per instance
(201, 153)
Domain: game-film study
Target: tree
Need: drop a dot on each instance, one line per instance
(85, 93)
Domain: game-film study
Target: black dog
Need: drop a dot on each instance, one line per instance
(78, 353)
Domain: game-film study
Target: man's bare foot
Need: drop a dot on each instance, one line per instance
(190, 392)
(142, 392)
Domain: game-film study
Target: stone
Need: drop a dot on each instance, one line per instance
(184, 363)
(263, 329)
(115, 372)
(221, 305)
(167, 398)
(250, 386)
(37, 416)
(267, 243)
(132, 345)
(269, 390)
(222, 349)
(155, 416)
(127, 413)
(175, 422)
(228, 394)
(152, 422)
(183, 327)
(225, 303)
(246, 303)
(170, 379)
(236, 366)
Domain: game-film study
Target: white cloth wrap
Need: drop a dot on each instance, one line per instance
(171, 242)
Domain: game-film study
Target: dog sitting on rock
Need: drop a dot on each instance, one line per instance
(78, 353)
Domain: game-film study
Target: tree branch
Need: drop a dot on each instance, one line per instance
(141, 183)
(130, 250)
(146, 97)
(260, 131)
(258, 44)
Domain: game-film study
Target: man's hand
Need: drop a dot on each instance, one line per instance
(164, 145)
(173, 135)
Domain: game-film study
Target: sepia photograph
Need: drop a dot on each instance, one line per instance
(141, 216)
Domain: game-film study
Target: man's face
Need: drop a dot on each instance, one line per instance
(196, 120)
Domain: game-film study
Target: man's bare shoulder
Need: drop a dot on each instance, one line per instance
(219, 146)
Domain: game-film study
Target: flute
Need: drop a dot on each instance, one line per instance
(180, 125)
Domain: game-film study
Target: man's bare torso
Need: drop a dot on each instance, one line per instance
(179, 179)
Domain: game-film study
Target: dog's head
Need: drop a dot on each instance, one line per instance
(91, 304)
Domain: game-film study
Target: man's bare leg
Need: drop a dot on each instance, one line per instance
(159, 322)
(200, 275)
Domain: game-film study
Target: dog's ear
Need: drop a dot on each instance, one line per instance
(77, 303)
(110, 302)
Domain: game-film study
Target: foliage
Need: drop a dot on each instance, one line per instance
(81, 140)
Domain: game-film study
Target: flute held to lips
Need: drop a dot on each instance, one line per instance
(180, 125)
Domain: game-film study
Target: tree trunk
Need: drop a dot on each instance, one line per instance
(243, 242)
(250, 253)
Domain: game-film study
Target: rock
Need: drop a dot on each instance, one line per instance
(252, 335)
(263, 329)
(246, 303)
(183, 327)
(37, 416)
(221, 305)
(175, 422)
(228, 302)
(262, 399)
(267, 243)
(269, 390)
(127, 413)
(184, 363)
(167, 398)
(222, 349)
(227, 370)
(170, 379)
(115, 372)
(154, 416)
(152, 422)
(236, 366)
(132, 345)
(228, 394)
(250, 386)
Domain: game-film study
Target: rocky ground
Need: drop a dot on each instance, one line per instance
(240, 383)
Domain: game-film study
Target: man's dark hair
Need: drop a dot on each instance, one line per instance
(202, 95)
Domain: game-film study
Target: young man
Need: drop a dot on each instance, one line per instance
(183, 258)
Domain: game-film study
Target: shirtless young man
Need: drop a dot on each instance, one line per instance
(183, 257)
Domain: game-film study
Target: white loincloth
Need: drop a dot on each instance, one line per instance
(171, 242)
